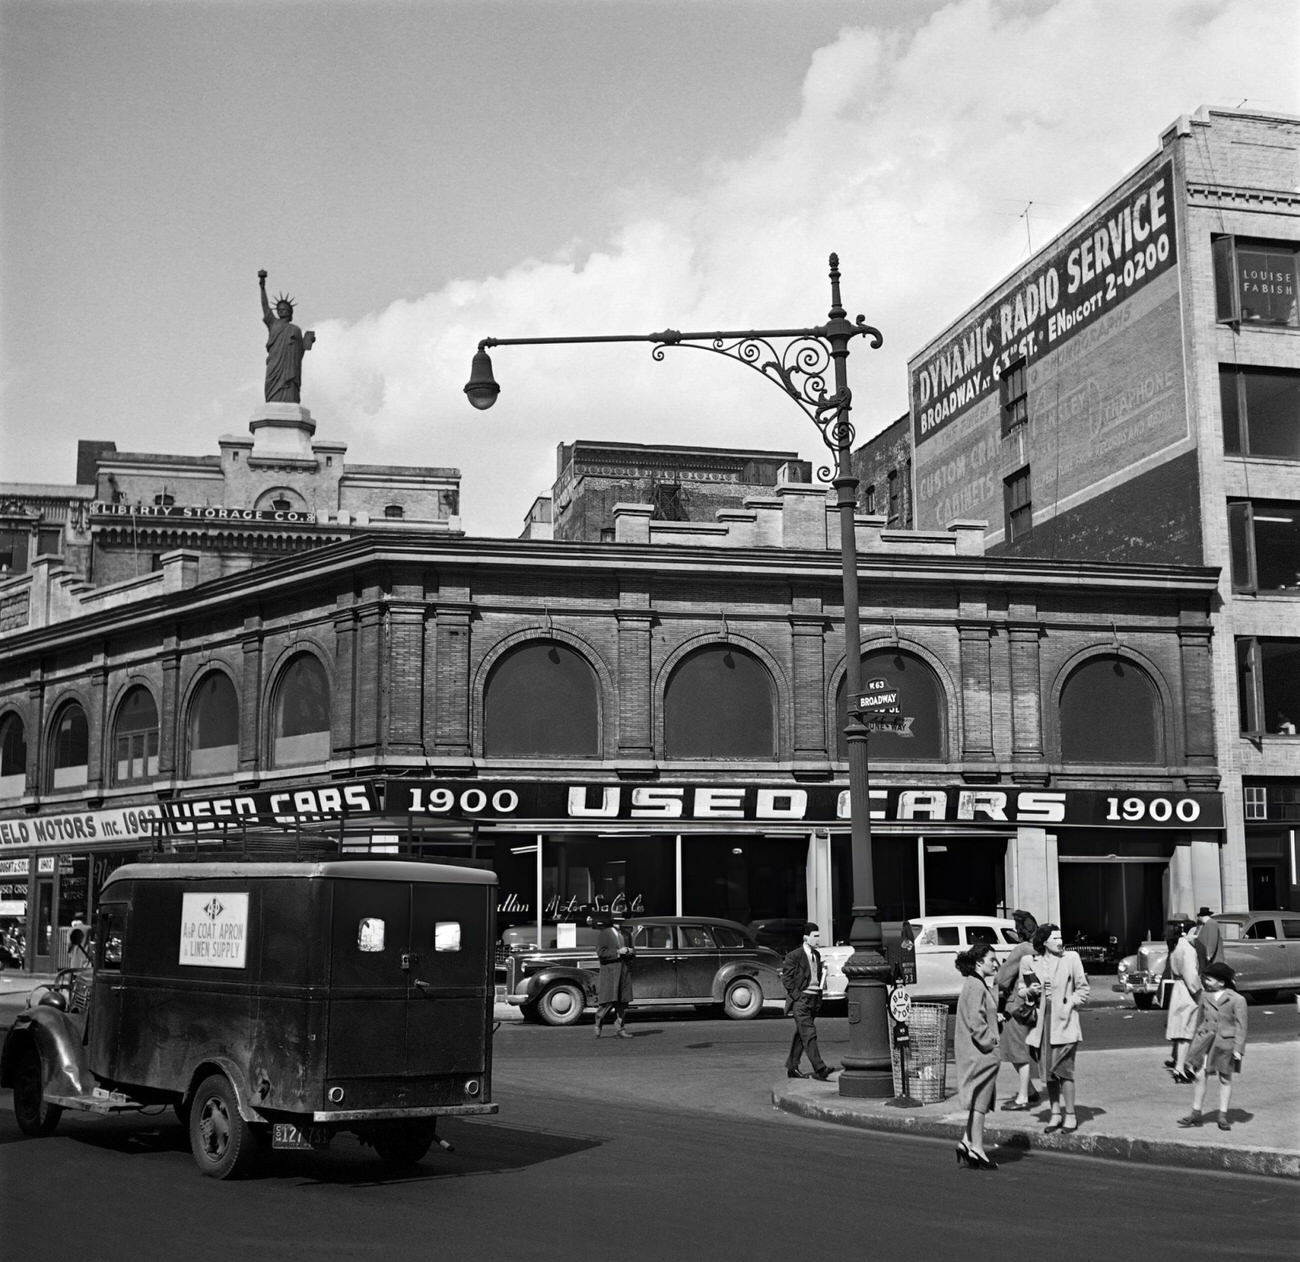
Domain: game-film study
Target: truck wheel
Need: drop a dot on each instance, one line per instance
(404, 1143)
(1145, 1002)
(562, 1004)
(743, 1000)
(35, 1116)
(221, 1141)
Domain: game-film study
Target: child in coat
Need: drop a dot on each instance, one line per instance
(1218, 1043)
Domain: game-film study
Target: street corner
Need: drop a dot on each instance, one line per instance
(822, 1102)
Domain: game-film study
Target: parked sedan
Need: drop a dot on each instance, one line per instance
(679, 960)
(1262, 947)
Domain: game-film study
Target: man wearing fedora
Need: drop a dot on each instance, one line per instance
(1209, 941)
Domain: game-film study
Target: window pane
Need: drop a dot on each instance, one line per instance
(1110, 713)
(214, 726)
(13, 551)
(1272, 413)
(71, 749)
(1276, 541)
(1279, 662)
(13, 757)
(1266, 274)
(919, 695)
(1243, 578)
(1229, 406)
(302, 722)
(135, 741)
(1224, 287)
(720, 703)
(542, 701)
(1247, 702)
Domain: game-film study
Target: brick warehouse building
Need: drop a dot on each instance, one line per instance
(1132, 393)
(652, 721)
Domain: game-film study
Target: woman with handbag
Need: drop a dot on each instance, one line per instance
(975, 1047)
(1021, 1013)
(1056, 977)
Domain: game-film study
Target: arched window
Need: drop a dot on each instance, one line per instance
(135, 738)
(720, 703)
(1110, 712)
(13, 757)
(69, 749)
(212, 734)
(300, 725)
(920, 695)
(541, 700)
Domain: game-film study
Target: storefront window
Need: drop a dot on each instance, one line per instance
(13, 757)
(301, 724)
(213, 730)
(1110, 712)
(135, 738)
(720, 703)
(919, 696)
(745, 878)
(542, 701)
(70, 749)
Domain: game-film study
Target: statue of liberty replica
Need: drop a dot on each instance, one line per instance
(286, 344)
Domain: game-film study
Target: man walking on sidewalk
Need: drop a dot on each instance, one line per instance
(804, 977)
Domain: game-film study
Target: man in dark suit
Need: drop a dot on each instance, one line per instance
(804, 977)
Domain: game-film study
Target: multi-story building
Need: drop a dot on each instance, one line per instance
(653, 721)
(1132, 394)
(274, 493)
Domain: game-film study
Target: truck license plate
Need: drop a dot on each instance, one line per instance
(287, 1135)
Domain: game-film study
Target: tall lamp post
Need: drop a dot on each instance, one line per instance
(798, 362)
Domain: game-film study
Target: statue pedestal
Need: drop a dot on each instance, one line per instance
(282, 430)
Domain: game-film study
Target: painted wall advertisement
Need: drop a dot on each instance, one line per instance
(1097, 325)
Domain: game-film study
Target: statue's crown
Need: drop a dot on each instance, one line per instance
(284, 298)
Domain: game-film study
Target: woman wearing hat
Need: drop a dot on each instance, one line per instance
(1219, 1042)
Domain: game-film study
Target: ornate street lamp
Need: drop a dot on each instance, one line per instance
(799, 365)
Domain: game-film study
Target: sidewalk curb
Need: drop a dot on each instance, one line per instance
(816, 1104)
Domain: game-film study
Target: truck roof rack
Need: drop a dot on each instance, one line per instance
(250, 838)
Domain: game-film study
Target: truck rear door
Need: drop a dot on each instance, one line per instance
(410, 979)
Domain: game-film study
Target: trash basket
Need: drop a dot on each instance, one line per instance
(926, 1054)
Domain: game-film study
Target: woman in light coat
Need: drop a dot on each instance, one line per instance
(1184, 1000)
(1055, 978)
(975, 1046)
(1020, 1016)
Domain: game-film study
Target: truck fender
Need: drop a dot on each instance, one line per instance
(544, 978)
(244, 1091)
(57, 1036)
(766, 978)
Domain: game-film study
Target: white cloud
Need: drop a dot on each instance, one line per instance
(912, 157)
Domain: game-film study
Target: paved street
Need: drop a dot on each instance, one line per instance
(660, 1146)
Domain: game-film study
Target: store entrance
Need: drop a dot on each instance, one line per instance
(1114, 899)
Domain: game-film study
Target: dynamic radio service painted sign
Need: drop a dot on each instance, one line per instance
(1089, 337)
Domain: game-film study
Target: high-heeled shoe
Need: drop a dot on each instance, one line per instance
(963, 1153)
(979, 1161)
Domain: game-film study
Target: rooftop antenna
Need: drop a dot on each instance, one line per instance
(1029, 240)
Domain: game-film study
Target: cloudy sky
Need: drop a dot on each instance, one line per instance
(422, 175)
